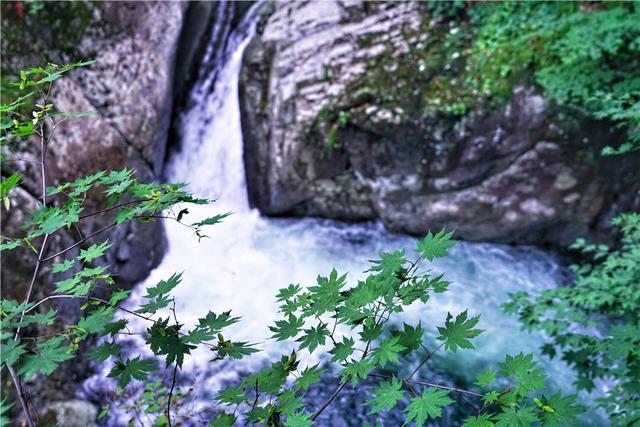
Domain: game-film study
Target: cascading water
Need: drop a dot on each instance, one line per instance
(249, 257)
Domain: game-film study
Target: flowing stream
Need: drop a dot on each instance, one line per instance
(249, 257)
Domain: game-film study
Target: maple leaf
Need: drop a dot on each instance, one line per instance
(512, 417)
(10, 351)
(61, 267)
(386, 395)
(457, 333)
(164, 339)
(410, 337)
(309, 376)
(288, 292)
(47, 358)
(299, 419)
(93, 251)
(563, 411)
(231, 396)
(342, 350)
(387, 351)
(434, 246)
(389, 262)
(132, 369)
(430, 404)
(104, 351)
(524, 369)
(356, 370)
(314, 337)
(486, 378)
(96, 321)
(284, 329)
(223, 420)
(288, 402)
(483, 420)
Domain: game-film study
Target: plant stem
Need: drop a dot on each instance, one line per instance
(21, 396)
(428, 384)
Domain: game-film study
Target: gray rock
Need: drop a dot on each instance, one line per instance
(516, 173)
(72, 413)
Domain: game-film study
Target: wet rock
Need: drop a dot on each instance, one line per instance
(339, 122)
(72, 413)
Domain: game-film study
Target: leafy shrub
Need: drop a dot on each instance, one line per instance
(593, 323)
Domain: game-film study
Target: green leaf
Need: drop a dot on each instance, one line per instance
(386, 395)
(342, 350)
(387, 351)
(104, 351)
(224, 420)
(483, 420)
(308, 377)
(47, 358)
(288, 402)
(512, 417)
(165, 339)
(61, 267)
(410, 337)
(298, 419)
(457, 334)
(288, 292)
(10, 351)
(390, 262)
(434, 246)
(132, 369)
(212, 220)
(97, 320)
(429, 405)
(231, 396)
(235, 350)
(284, 329)
(4, 412)
(8, 183)
(118, 296)
(562, 411)
(490, 397)
(114, 327)
(486, 378)
(326, 295)
(42, 318)
(164, 286)
(527, 376)
(356, 370)
(314, 337)
(93, 252)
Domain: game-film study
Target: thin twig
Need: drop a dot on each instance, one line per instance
(21, 396)
(79, 242)
(428, 384)
(425, 360)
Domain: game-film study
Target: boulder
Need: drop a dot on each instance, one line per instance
(353, 110)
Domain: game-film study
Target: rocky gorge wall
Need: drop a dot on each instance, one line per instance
(350, 111)
(130, 90)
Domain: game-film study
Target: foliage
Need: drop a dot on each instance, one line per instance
(472, 54)
(351, 322)
(593, 323)
(587, 55)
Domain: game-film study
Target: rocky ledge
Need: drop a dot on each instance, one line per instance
(342, 107)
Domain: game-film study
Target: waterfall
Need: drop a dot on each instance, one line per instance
(248, 258)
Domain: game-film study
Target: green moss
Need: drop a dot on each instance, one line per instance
(43, 30)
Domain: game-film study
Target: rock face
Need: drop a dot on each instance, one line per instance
(332, 128)
(130, 90)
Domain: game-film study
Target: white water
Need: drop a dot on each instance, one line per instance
(249, 257)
